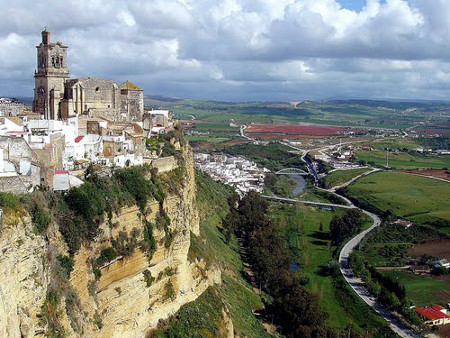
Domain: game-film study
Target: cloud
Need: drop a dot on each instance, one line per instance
(239, 49)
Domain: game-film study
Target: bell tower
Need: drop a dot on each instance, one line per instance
(50, 76)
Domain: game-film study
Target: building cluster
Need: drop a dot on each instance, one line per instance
(75, 122)
(238, 172)
(11, 107)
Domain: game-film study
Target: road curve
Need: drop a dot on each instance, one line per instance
(356, 284)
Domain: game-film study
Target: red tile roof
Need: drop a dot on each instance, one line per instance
(431, 313)
(438, 307)
(79, 138)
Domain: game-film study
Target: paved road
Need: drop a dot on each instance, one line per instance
(291, 200)
(356, 284)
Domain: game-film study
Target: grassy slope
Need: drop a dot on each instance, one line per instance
(342, 176)
(419, 199)
(312, 249)
(235, 292)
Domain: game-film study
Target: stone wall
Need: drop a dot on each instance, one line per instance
(163, 164)
(15, 149)
(16, 184)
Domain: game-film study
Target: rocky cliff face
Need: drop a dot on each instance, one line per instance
(132, 293)
(23, 280)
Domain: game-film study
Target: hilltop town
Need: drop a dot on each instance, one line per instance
(74, 122)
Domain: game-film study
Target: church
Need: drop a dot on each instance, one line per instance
(58, 97)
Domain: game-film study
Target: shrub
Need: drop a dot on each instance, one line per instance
(67, 264)
(149, 241)
(169, 291)
(148, 278)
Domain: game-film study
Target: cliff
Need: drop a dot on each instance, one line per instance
(123, 297)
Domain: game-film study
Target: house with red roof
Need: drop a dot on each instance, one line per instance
(434, 315)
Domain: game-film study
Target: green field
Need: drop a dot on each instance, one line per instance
(381, 114)
(419, 199)
(424, 290)
(339, 177)
(404, 160)
(312, 249)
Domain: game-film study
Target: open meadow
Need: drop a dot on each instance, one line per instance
(419, 199)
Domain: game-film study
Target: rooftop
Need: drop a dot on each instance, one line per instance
(130, 86)
(432, 313)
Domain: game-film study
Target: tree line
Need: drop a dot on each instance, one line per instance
(293, 308)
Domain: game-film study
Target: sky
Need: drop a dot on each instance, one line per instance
(239, 50)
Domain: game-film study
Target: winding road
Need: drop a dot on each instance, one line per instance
(356, 283)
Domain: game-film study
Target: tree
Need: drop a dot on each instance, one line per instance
(252, 212)
(321, 226)
(299, 310)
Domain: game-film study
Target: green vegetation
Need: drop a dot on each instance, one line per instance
(423, 290)
(307, 231)
(294, 308)
(273, 156)
(10, 202)
(201, 318)
(235, 292)
(339, 177)
(67, 264)
(387, 245)
(169, 291)
(404, 160)
(419, 199)
(383, 114)
(278, 185)
(346, 226)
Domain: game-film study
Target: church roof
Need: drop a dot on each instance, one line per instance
(130, 86)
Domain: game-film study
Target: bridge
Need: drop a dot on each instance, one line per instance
(291, 171)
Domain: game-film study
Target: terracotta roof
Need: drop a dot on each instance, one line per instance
(431, 313)
(438, 307)
(130, 86)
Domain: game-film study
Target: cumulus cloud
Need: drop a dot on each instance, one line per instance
(239, 49)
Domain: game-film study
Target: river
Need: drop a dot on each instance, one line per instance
(300, 181)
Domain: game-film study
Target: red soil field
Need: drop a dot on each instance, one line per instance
(299, 130)
(439, 247)
(445, 174)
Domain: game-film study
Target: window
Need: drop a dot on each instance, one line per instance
(97, 89)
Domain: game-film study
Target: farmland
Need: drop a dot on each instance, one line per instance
(405, 160)
(439, 247)
(424, 290)
(295, 130)
(419, 199)
(367, 113)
